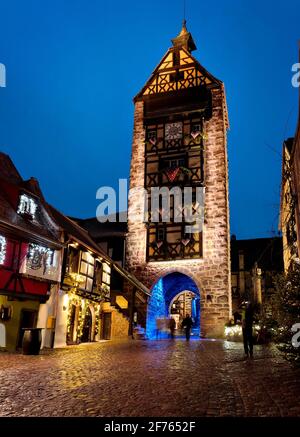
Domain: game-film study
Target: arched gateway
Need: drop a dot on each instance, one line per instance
(164, 295)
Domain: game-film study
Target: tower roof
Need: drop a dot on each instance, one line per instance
(184, 39)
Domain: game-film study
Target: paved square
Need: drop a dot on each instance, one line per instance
(157, 378)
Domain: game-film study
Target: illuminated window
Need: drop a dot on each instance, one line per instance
(27, 206)
(87, 269)
(2, 249)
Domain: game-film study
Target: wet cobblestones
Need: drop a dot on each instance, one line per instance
(140, 378)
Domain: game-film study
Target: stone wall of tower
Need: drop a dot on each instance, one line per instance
(212, 272)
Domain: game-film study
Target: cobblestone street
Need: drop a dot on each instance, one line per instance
(140, 378)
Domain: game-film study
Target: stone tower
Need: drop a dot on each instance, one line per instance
(180, 139)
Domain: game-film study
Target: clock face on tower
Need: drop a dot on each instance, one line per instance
(173, 131)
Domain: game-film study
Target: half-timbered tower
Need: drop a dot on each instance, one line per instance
(179, 140)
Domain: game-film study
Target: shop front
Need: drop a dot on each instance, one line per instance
(27, 271)
(83, 320)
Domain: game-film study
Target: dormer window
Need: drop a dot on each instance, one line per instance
(27, 206)
(2, 249)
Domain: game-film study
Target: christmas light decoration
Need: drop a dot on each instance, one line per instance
(233, 331)
(27, 206)
(39, 256)
(237, 331)
(2, 249)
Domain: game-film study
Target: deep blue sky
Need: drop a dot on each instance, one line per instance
(73, 67)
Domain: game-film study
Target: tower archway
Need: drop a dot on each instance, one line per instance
(164, 292)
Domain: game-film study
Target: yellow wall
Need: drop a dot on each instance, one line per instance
(12, 325)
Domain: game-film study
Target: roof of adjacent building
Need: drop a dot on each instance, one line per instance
(41, 230)
(104, 230)
(267, 252)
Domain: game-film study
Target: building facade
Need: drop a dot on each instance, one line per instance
(84, 312)
(54, 276)
(30, 256)
(180, 140)
(254, 263)
(289, 210)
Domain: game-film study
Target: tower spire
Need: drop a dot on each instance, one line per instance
(184, 39)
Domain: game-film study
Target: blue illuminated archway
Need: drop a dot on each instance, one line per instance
(163, 292)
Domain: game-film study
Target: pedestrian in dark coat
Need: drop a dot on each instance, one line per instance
(172, 326)
(247, 325)
(187, 324)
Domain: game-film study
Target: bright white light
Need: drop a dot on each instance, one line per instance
(27, 205)
(37, 250)
(232, 331)
(2, 249)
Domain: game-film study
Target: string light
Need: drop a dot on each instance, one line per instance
(236, 330)
(232, 331)
(39, 255)
(27, 205)
(2, 249)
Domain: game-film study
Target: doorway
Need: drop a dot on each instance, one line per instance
(87, 326)
(28, 319)
(175, 293)
(185, 303)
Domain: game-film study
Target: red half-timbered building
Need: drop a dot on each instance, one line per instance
(30, 253)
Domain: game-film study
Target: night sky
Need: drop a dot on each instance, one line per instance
(73, 67)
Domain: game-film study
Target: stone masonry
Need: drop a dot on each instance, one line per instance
(212, 272)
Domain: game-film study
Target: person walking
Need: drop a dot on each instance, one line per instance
(187, 323)
(247, 325)
(172, 327)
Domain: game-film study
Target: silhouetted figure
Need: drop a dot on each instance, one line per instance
(247, 324)
(187, 323)
(172, 326)
(237, 317)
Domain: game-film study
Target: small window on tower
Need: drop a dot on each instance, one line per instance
(152, 135)
(176, 58)
(174, 163)
(161, 234)
(175, 77)
(196, 128)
